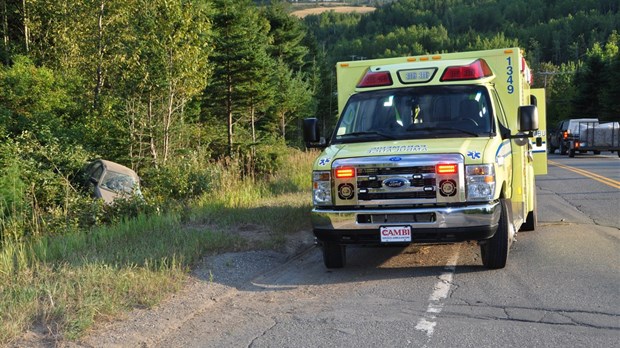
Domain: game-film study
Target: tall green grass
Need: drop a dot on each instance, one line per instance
(67, 282)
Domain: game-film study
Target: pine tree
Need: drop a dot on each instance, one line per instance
(239, 85)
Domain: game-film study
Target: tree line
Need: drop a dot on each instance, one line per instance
(571, 45)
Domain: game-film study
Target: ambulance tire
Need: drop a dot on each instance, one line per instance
(571, 153)
(532, 217)
(334, 255)
(494, 251)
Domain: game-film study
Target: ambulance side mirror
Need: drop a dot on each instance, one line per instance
(528, 118)
(312, 133)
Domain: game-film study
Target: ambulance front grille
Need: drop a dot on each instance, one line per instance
(421, 183)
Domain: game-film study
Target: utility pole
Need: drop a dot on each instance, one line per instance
(551, 73)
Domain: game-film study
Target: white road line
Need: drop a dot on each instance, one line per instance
(440, 292)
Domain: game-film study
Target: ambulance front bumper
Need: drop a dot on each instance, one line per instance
(432, 224)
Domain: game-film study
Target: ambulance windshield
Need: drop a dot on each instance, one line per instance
(414, 113)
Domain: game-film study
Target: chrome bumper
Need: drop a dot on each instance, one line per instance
(471, 216)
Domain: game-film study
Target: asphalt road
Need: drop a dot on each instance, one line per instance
(561, 287)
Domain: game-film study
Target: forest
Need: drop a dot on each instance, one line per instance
(177, 89)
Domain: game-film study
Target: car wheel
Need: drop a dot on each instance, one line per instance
(562, 149)
(532, 217)
(494, 251)
(334, 255)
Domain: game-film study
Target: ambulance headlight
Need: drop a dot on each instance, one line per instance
(321, 188)
(480, 181)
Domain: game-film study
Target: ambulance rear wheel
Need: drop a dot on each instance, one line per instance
(334, 255)
(494, 251)
(532, 217)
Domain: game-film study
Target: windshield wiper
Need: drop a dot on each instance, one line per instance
(430, 129)
(379, 133)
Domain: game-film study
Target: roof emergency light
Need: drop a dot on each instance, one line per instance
(376, 79)
(476, 70)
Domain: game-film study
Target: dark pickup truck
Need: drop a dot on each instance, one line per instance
(566, 131)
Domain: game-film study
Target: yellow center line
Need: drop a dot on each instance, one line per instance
(607, 181)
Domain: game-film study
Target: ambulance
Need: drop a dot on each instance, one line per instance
(430, 149)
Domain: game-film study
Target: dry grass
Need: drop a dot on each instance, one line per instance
(339, 9)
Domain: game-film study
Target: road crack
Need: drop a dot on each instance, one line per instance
(264, 333)
(546, 316)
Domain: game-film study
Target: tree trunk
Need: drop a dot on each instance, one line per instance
(230, 116)
(151, 126)
(26, 29)
(253, 122)
(99, 82)
(168, 122)
(283, 124)
(5, 30)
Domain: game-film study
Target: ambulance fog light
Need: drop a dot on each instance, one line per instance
(480, 181)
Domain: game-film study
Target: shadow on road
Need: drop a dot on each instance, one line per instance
(364, 264)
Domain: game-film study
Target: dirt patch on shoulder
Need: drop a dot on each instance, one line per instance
(215, 279)
(338, 9)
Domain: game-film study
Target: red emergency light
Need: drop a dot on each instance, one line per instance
(476, 70)
(446, 168)
(346, 172)
(376, 79)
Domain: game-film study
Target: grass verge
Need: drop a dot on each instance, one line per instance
(67, 283)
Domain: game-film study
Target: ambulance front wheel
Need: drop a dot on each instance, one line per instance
(494, 251)
(334, 255)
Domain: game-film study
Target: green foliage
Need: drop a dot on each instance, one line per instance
(184, 177)
(33, 99)
(595, 85)
(559, 27)
(287, 35)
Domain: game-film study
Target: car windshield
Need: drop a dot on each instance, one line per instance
(118, 182)
(414, 113)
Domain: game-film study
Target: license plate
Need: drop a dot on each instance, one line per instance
(395, 234)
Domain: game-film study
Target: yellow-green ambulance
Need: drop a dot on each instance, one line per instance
(427, 149)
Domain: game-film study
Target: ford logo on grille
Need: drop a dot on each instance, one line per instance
(396, 182)
(395, 159)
